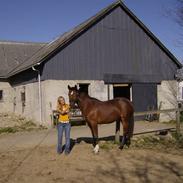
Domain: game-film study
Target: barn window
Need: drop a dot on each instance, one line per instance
(1, 95)
(121, 90)
(83, 87)
(23, 96)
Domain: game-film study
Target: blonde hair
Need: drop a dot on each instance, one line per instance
(59, 105)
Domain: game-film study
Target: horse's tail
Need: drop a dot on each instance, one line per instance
(131, 126)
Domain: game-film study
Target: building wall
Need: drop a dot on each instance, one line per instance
(12, 100)
(167, 99)
(6, 104)
(30, 107)
(180, 92)
(52, 89)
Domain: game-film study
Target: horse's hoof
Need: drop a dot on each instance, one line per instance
(96, 149)
(128, 142)
(121, 147)
(95, 152)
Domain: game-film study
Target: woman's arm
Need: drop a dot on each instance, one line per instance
(63, 111)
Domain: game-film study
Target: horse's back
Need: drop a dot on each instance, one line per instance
(110, 110)
(119, 103)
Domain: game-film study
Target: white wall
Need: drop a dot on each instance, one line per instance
(52, 89)
(6, 104)
(167, 99)
(12, 100)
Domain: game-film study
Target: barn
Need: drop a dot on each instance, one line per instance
(109, 55)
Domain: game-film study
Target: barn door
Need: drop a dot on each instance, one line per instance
(144, 97)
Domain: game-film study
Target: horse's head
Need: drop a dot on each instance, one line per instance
(73, 96)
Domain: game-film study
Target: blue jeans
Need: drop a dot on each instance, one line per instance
(66, 128)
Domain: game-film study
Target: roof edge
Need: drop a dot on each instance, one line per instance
(21, 42)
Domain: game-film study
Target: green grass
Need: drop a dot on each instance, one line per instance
(27, 126)
(8, 130)
(107, 145)
(150, 142)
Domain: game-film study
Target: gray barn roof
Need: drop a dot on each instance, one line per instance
(47, 50)
(13, 54)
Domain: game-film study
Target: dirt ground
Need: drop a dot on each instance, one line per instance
(27, 157)
(44, 165)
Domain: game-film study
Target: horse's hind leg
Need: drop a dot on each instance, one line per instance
(126, 136)
(94, 130)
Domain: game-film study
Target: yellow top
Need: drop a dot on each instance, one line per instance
(64, 117)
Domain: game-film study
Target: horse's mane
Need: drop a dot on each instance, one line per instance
(81, 93)
(94, 98)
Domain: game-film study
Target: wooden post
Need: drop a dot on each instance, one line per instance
(117, 134)
(178, 119)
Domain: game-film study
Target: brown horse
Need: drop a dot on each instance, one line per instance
(101, 112)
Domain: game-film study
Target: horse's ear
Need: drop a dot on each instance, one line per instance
(69, 87)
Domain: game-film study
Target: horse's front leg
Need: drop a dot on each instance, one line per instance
(94, 129)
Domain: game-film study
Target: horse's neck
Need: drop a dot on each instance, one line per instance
(84, 103)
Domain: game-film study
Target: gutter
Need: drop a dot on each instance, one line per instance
(39, 91)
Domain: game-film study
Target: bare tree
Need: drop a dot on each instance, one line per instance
(178, 13)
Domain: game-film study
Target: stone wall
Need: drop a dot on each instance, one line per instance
(167, 99)
(52, 89)
(6, 103)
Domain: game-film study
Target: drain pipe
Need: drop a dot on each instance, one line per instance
(39, 91)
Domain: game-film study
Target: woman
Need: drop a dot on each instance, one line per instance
(63, 125)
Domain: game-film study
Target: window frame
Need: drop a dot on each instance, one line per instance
(1, 95)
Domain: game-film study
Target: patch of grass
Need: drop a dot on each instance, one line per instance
(170, 141)
(8, 130)
(107, 145)
(27, 126)
(171, 122)
(29, 123)
(179, 139)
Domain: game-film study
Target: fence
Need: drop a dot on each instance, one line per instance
(177, 110)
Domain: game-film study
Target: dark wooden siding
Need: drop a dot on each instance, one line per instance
(114, 45)
(25, 77)
(146, 93)
(144, 97)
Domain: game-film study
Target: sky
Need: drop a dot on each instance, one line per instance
(45, 20)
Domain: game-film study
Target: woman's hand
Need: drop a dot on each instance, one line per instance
(64, 112)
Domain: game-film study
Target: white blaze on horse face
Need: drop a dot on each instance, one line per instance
(72, 93)
(96, 149)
